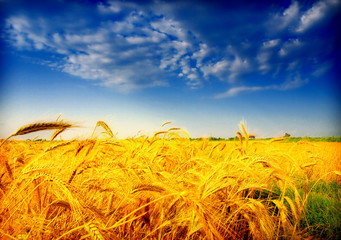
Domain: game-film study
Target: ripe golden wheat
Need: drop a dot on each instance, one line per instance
(163, 187)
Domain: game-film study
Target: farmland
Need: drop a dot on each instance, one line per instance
(168, 187)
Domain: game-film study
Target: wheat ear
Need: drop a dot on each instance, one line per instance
(34, 127)
(165, 123)
(148, 187)
(105, 126)
(56, 133)
(240, 138)
(94, 231)
(245, 134)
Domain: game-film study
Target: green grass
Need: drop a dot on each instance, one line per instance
(323, 210)
(314, 139)
(289, 139)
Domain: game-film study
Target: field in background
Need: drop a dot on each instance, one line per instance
(168, 187)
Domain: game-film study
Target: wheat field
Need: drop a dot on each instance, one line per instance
(161, 187)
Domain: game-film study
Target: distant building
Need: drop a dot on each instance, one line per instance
(252, 137)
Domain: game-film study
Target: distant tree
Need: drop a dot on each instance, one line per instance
(287, 135)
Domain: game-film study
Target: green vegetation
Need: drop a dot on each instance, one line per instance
(314, 139)
(287, 139)
(323, 210)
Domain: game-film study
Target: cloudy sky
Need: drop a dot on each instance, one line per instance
(205, 65)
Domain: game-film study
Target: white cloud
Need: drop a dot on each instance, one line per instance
(170, 27)
(294, 83)
(263, 61)
(293, 65)
(322, 69)
(226, 69)
(112, 7)
(238, 66)
(200, 55)
(289, 15)
(290, 46)
(185, 66)
(141, 40)
(142, 49)
(217, 68)
(194, 80)
(125, 54)
(120, 27)
(232, 92)
(263, 57)
(19, 29)
(57, 38)
(174, 51)
(98, 36)
(317, 12)
(271, 43)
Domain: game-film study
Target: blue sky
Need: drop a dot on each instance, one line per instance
(205, 65)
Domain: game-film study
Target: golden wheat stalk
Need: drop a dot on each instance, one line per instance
(160, 132)
(148, 187)
(308, 164)
(174, 129)
(245, 134)
(56, 133)
(35, 138)
(105, 127)
(185, 133)
(94, 232)
(61, 203)
(9, 170)
(240, 138)
(59, 145)
(165, 123)
(58, 117)
(35, 127)
(277, 139)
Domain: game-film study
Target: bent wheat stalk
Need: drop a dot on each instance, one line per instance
(34, 127)
(105, 127)
(56, 133)
(165, 123)
(240, 138)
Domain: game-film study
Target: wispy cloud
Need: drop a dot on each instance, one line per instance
(294, 83)
(134, 52)
(232, 92)
(299, 16)
(270, 43)
(282, 20)
(128, 45)
(317, 12)
(290, 45)
(111, 7)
